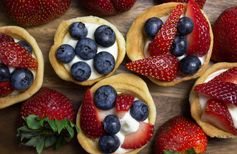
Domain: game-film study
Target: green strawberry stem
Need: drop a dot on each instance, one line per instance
(44, 133)
(189, 151)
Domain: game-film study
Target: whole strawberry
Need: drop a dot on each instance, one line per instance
(180, 135)
(201, 3)
(48, 117)
(225, 36)
(107, 7)
(35, 12)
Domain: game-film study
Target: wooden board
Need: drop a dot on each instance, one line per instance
(169, 101)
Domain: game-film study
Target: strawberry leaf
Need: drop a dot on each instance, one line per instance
(40, 145)
(170, 152)
(32, 122)
(189, 151)
(49, 141)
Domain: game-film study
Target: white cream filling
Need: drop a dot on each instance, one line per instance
(91, 29)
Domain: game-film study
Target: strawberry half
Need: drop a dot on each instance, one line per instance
(199, 40)
(139, 138)
(228, 76)
(12, 54)
(217, 113)
(165, 37)
(123, 103)
(223, 91)
(5, 88)
(162, 67)
(5, 38)
(201, 3)
(89, 118)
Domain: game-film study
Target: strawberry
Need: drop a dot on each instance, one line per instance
(228, 76)
(162, 67)
(123, 103)
(225, 36)
(165, 37)
(179, 135)
(5, 38)
(5, 88)
(201, 3)
(12, 54)
(35, 12)
(107, 7)
(139, 138)
(199, 40)
(222, 91)
(48, 117)
(218, 114)
(89, 118)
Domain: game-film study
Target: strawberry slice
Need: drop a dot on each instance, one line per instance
(217, 113)
(123, 103)
(162, 67)
(165, 37)
(199, 40)
(228, 76)
(89, 118)
(5, 38)
(12, 54)
(223, 91)
(5, 88)
(139, 138)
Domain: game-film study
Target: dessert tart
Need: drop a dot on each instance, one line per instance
(213, 100)
(86, 50)
(173, 43)
(117, 115)
(21, 65)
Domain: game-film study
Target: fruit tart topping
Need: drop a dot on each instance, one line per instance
(105, 97)
(228, 76)
(86, 48)
(104, 62)
(78, 30)
(179, 46)
(5, 88)
(152, 26)
(80, 71)
(164, 38)
(199, 2)
(4, 73)
(185, 26)
(123, 103)
(5, 38)
(111, 124)
(109, 144)
(22, 79)
(105, 36)
(65, 53)
(190, 65)
(139, 110)
(26, 45)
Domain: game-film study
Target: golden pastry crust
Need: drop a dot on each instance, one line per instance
(126, 83)
(196, 110)
(22, 34)
(58, 40)
(136, 52)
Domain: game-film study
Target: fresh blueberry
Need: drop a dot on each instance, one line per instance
(81, 71)
(104, 36)
(152, 26)
(139, 110)
(105, 97)
(78, 30)
(108, 144)
(190, 65)
(185, 26)
(65, 53)
(26, 45)
(104, 62)
(22, 79)
(4, 73)
(111, 124)
(179, 46)
(86, 48)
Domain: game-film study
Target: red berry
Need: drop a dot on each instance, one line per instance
(123, 103)
(228, 76)
(5, 88)
(201, 3)
(5, 38)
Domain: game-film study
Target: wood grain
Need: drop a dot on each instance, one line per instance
(169, 101)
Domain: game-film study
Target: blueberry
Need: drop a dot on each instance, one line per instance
(26, 45)
(111, 124)
(81, 71)
(185, 26)
(139, 110)
(22, 79)
(65, 53)
(4, 73)
(179, 46)
(190, 65)
(86, 48)
(152, 26)
(105, 97)
(78, 30)
(109, 144)
(104, 62)
(104, 36)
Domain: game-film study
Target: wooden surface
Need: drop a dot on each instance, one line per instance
(169, 101)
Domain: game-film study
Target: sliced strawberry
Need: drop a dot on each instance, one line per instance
(217, 113)
(223, 91)
(123, 103)
(139, 138)
(12, 54)
(199, 40)
(165, 37)
(228, 76)
(5, 38)
(89, 118)
(162, 67)
(5, 88)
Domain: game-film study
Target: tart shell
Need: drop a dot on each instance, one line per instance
(58, 40)
(22, 34)
(135, 45)
(196, 110)
(126, 83)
